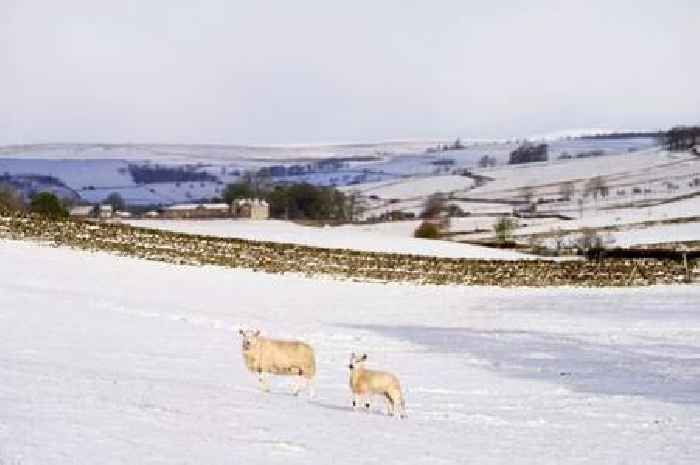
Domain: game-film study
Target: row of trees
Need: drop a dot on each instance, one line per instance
(528, 153)
(681, 137)
(147, 173)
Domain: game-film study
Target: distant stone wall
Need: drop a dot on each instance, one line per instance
(281, 258)
(196, 213)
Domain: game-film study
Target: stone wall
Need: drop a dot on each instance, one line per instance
(281, 258)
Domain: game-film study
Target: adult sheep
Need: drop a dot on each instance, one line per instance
(285, 358)
(365, 383)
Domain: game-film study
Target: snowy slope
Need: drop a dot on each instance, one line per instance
(414, 187)
(404, 170)
(113, 360)
(641, 166)
(341, 237)
(78, 174)
(658, 234)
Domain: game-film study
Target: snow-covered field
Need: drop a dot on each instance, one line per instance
(639, 167)
(108, 359)
(658, 234)
(414, 187)
(364, 238)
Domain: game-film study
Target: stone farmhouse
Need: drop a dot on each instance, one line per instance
(255, 209)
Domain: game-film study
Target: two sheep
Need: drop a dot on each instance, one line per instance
(293, 358)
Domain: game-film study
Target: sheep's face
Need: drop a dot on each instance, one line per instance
(356, 360)
(250, 339)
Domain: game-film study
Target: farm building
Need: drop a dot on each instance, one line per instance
(106, 211)
(255, 209)
(81, 211)
(198, 210)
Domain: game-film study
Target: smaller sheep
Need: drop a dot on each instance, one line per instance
(286, 358)
(365, 383)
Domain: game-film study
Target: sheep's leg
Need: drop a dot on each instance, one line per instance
(296, 387)
(390, 405)
(355, 399)
(365, 400)
(311, 387)
(263, 382)
(308, 385)
(399, 405)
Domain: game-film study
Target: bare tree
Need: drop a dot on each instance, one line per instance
(10, 199)
(504, 228)
(115, 200)
(436, 210)
(588, 240)
(486, 161)
(597, 187)
(566, 190)
(527, 193)
(357, 205)
(558, 236)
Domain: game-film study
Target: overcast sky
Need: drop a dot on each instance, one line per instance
(276, 72)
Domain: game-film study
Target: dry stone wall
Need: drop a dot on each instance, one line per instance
(273, 257)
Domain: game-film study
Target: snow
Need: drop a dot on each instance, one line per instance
(397, 170)
(110, 360)
(626, 218)
(77, 174)
(642, 166)
(658, 234)
(339, 237)
(414, 187)
(192, 153)
(573, 133)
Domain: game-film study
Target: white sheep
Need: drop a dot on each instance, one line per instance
(286, 358)
(365, 383)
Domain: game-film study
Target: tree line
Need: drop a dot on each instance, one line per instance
(681, 138)
(299, 201)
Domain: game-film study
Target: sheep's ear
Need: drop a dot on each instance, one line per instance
(256, 333)
(240, 331)
(364, 357)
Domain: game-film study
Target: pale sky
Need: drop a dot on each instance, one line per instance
(277, 72)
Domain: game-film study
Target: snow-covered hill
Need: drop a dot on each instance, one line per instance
(183, 153)
(96, 170)
(113, 360)
(643, 182)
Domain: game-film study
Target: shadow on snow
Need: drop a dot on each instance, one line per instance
(664, 372)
